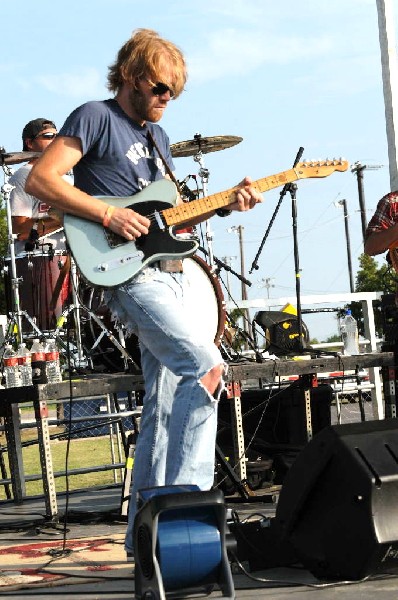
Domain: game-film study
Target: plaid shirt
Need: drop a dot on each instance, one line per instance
(386, 214)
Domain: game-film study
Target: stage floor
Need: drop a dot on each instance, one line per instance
(33, 562)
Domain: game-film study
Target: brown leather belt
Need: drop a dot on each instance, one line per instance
(169, 266)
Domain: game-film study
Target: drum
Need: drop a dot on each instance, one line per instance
(205, 299)
(43, 287)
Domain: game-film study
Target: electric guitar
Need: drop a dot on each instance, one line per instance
(108, 260)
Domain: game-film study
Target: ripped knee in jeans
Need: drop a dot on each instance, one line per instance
(213, 381)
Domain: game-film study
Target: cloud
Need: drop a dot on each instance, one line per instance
(80, 84)
(233, 51)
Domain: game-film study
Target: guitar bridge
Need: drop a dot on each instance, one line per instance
(120, 261)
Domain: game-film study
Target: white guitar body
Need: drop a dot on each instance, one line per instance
(107, 264)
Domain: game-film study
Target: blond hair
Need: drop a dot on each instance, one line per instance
(147, 54)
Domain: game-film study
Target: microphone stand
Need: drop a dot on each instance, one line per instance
(222, 265)
(282, 194)
(292, 191)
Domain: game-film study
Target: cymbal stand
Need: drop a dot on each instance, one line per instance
(16, 314)
(204, 177)
(80, 360)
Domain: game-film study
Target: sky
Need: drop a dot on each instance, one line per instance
(280, 75)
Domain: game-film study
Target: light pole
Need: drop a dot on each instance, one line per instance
(228, 261)
(343, 203)
(358, 169)
(267, 284)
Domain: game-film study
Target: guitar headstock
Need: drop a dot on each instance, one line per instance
(320, 168)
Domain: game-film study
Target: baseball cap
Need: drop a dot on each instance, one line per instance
(34, 127)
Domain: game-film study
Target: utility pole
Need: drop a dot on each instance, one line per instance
(343, 203)
(239, 230)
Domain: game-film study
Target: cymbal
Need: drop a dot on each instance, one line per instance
(204, 145)
(13, 158)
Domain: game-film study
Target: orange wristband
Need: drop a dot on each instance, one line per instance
(108, 215)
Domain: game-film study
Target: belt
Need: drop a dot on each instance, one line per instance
(169, 266)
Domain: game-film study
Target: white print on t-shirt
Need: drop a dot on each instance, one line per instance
(138, 151)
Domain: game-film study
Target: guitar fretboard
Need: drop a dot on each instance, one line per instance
(189, 210)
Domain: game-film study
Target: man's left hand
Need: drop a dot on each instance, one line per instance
(246, 197)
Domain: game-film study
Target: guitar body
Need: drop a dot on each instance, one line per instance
(106, 260)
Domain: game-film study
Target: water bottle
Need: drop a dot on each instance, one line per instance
(53, 369)
(24, 364)
(38, 362)
(11, 370)
(349, 334)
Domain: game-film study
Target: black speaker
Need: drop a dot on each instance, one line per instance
(338, 506)
(389, 315)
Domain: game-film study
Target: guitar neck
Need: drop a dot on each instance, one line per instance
(188, 210)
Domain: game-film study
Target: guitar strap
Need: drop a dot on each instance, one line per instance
(170, 265)
(168, 170)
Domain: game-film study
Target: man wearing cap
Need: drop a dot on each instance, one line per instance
(44, 279)
(29, 213)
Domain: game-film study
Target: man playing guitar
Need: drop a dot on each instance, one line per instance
(113, 148)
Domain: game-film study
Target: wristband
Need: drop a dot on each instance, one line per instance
(223, 212)
(108, 215)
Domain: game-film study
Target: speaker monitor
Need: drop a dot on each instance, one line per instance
(281, 331)
(338, 506)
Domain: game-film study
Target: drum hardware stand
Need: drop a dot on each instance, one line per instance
(16, 314)
(81, 361)
(204, 177)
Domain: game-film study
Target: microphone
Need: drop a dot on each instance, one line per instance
(185, 190)
(31, 242)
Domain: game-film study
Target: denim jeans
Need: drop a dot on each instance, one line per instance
(176, 443)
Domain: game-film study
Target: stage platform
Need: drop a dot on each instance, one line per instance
(32, 563)
(83, 558)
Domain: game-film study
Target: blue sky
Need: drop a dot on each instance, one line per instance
(280, 75)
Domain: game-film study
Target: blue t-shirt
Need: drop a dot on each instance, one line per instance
(118, 158)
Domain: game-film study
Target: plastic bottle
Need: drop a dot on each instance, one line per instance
(24, 364)
(53, 369)
(11, 370)
(349, 334)
(38, 362)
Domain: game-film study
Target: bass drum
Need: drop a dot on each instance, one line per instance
(204, 298)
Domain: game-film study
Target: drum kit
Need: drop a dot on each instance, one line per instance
(42, 286)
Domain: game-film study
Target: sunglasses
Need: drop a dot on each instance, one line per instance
(45, 136)
(159, 88)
